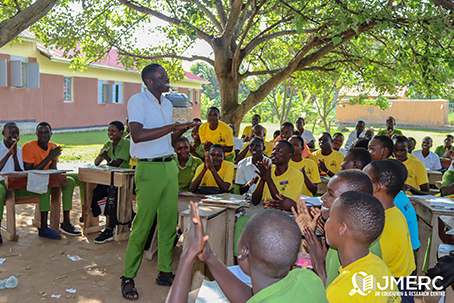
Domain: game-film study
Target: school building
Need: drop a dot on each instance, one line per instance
(37, 84)
(407, 112)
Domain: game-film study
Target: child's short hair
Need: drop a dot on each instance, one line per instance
(276, 134)
(386, 142)
(183, 139)
(9, 125)
(119, 125)
(413, 139)
(214, 108)
(362, 143)
(258, 127)
(363, 214)
(328, 135)
(288, 124)
(274, 240)
(288, 145)
(361, 155)
(260, 140)
(44, 124)
(218, 146)
(400, 139)
(299, 139)
(388, 174)
(357, 180)
(339, 134)
(196, 120)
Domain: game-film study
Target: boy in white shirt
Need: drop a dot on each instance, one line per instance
(430, 159)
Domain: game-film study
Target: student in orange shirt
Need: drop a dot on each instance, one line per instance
(43, 155)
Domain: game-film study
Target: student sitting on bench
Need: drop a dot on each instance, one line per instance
(43, 155)
(268, 247)
(257, 131)
(186, 163)
(11, 161)
(356, 158)
(215, 175)
(329, 160)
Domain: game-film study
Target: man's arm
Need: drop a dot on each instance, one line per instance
(310, 186)
(5, 159)
(140, 134)
(224, 186)
(52, 156)
(228, 149)
(242, 154)
(424, 189)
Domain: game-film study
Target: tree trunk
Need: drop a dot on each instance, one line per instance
(12, 27)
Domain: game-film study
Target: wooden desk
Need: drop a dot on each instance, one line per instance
(434, 176)
(427, 224)
(17, 181)
(124, 180)
(446, 223)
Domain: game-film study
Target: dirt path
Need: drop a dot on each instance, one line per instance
(43, 268)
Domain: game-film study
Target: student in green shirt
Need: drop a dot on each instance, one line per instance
(267, 248)
(390, 130)
(443, 150)
(186, 163)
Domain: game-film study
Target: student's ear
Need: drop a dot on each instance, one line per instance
(376, 187)
(343, 229)
(355, 164)
(244, 254)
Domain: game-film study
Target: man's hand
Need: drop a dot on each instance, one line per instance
(246, 139)
(55, 152)
(253, 181)
(320, 222)
(450, 154)
(13, 150)
(322, 166)
(303, 169)
(208, 162)
(281, 203)
(264, 170)
(303, 218)
(207, 145)
(185, 126)
(103, 153)
(390, 133)
(196, 239)
(317, 252)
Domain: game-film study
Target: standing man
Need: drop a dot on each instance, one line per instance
(390, 130)
(359, 132)
(307, 135)
(156, 177)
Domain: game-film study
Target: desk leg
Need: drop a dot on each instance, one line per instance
(91, 224)
(10, 231)
(434, 243)
(230, 237)
(424, 233)
(124, 208)
(55, 207)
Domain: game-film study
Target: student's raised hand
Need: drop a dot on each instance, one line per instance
(264, 170)
(303, 218)
(246, 139)
(253, 181)
(322, 166)
(55, 152)
(103, 153)
(13, 149)
(390, 133)
(320, 222)
(316, 250)
(303, 169)
(207, 145)
(195, 236)
(450, 154)
(282, 203)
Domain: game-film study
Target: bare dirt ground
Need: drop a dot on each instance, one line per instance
(43, 268)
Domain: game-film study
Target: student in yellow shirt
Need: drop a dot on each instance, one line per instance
(381, 147)
(247, 132)
(417, 182)
(214, 172)
(356, 220)
(397, 252)
(257, 131)
(329, 161)
(356, 158)
(280, 178)
(307, 166)
(215, 131)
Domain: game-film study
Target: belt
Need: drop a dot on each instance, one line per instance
(161, 159)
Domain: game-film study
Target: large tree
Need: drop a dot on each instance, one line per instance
(382, 43)
(18, 15)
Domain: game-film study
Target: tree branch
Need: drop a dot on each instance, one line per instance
(257, 41)
(221, 12)
(13, 26)
(171, 56)
(201, 34)
(444, 3)
(229, 28)
(208, 13)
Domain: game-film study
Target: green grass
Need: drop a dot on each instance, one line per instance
(85, 146)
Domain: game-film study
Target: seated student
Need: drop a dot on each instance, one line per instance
(338, 140)
(186, 163)
(369, 134)
(417, 182)
(116, 153)
(430, 159)
(388, 179)
(306, 134)
(443, 150)
(325, 260)
(329, 161)
(190, 137)
(356, 221)
(246, 136)
(364, 143)
(356, 158)
(447, 184)
(11, 161)
(43, 154)
(276, 134)
(307, 166)
(268, 246)
(215, 131)
(246, 173)
(257, 131)
(356, 134)
(411, 144)
(280, 178)
(381, 147)
(214, 172)
(238, 143)
(390, 130)
(196, 146)
(288, 130)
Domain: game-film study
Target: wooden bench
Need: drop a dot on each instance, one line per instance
(18, 181)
